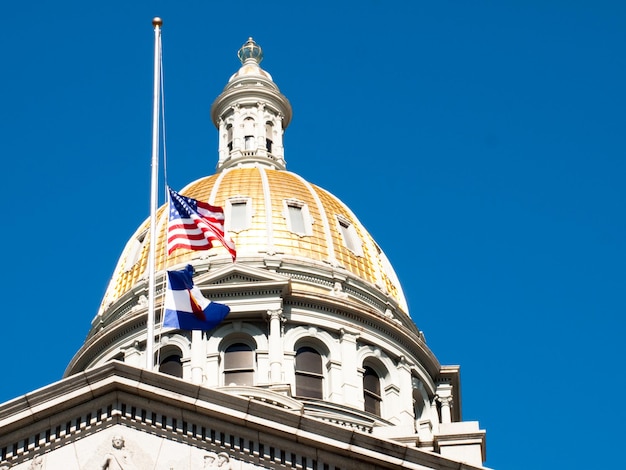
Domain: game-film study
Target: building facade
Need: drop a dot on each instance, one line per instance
(317, 366)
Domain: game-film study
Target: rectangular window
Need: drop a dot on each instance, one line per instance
(347, 235)
(249, 142)
(239, 365)
(238, 359)
(309, 386)
(238, 216)
(296, 218)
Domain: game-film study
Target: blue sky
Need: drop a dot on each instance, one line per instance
(482, 143)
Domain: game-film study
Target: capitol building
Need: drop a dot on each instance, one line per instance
(318, 365)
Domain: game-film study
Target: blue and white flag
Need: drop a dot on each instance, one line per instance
(185, 306)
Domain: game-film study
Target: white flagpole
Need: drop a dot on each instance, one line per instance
(157, 23)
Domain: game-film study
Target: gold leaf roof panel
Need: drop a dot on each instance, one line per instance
(269, 192)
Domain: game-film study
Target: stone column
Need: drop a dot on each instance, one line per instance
(278, 149)
(197, 356)
(352, 383)
(403, 409)
(444, 397)
(275, 345)
(260, 129)
(222, 146)
(237, 129)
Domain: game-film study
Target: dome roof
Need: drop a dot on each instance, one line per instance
(279, 222)
(328, 236)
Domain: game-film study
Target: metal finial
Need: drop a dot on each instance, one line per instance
(156, 21)
(250, 50)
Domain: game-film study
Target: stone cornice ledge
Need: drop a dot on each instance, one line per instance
(39, 408)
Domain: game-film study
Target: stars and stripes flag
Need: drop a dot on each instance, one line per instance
(185, 306)
(195, 225)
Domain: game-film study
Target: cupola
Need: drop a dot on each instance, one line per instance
(251, 115)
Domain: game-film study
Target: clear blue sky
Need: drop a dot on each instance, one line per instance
(482, 143)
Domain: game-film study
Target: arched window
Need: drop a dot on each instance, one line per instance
(172, 365)
(229, 136)
(249, 142)
(249, 133)
(420, 399)
(269, 135)
(239, 365)
(309, 376)
(371, 391)
(418, 408)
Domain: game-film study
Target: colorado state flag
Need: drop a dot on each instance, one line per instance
(185, 306)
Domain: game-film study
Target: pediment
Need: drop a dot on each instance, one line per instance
(236, 275)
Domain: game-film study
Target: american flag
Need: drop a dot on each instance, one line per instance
(194, 225)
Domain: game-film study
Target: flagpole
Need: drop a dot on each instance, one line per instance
(157, 23)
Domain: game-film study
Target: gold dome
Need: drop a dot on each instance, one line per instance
(269, 193)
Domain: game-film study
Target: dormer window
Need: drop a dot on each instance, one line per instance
(350, 237)
(298, 217)
(387, 267)
(238, 214)
(134, 251)
(295, 217)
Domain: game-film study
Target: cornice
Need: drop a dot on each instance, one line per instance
(117, 393)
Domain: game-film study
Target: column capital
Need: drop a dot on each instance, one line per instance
(444, 400)
(346, 334)
(275, 314)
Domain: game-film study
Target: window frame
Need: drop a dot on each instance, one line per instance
(269, 136)
(307, 374)
(167, 360)
(350, 236)
(134, 250)
(228, 219)
(307, 221)
(374, 396)
(229, 136)
(248, 368)
(249, 142)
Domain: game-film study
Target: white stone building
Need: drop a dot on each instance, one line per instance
(317, 366)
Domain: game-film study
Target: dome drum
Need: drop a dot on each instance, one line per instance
(252, 292)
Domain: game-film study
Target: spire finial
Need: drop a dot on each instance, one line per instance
(156, 21)
(250, 51)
